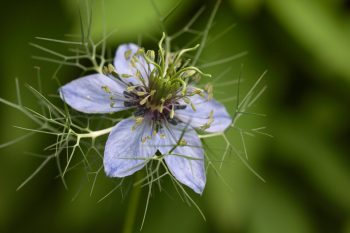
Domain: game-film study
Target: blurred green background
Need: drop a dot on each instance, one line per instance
(304, 45)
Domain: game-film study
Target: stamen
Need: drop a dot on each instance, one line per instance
(161, 105)
(135, 59)
(209, 88)
(127, 54)
(188, 101)
(143, 140)
(140, 51)
(193, 106)
(144, 100)
(196, 78)
(139, 76)
(138, 121)
(172, 112)
(130, 88)
(150, 61)
(106, 89)
(151, 54)
(105, 70)
(133, 63)
(110, 71)
(126, 75)
(210, 121)
(182, 142)
(167, 83)
(197, 91)
(110, 68)
(141, 93)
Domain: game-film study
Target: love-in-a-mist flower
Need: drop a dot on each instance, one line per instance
(168, 112)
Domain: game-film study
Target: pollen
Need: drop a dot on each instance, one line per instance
(106, 89)
(127, 54)
(126, 76)
(138, 120)
(207, 125)
(182, 142)
(209, 88)
(144, 139)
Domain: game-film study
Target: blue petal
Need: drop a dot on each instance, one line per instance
(122, 63)
(125, 150)
(88, 94)
(185, 162)
(199, 117)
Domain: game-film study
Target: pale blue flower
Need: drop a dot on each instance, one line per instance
(168, 112)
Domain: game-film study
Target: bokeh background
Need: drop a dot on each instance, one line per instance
(304, 45)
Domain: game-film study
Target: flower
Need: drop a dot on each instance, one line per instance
(168, 112)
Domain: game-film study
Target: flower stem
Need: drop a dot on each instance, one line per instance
(132, 208)
(95, 134)
(210, 135)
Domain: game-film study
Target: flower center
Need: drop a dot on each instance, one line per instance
(164, 89)
(158, 100)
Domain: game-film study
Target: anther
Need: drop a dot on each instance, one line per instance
(182, 142)
(161, 107)
(130, 88)
(172, 112)
(106, 89)
(138, 120)
(127, 54)
(141, 93)
(209, 88)
(110, 68)
(151, 55)
(126, 75)
(144, 100)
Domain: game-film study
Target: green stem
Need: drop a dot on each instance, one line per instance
(95, 134)
(132, 208)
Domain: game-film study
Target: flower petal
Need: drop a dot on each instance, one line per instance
(185, 161)
(125, 150)
(205, 110)
(123, 66)
(89, 94)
